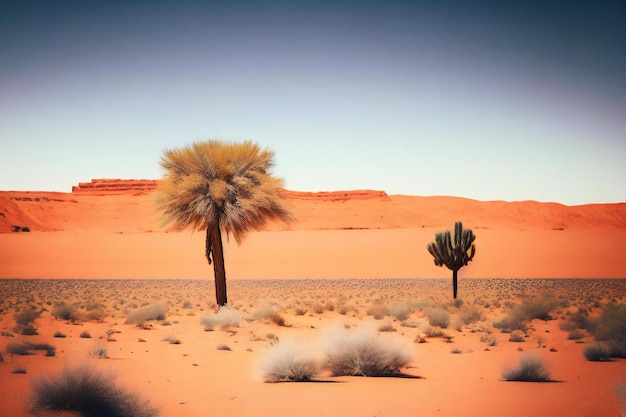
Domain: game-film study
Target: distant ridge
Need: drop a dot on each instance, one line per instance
(108, 186)
(126, 205)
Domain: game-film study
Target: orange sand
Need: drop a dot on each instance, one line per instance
(108, 232)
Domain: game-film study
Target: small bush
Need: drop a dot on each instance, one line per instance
(146, 313)
(101, 352)
(490, 340)
(530, 369)
(434, 331)
(612, 323)
(363, 352)
(575, 335)
(172, 340)
(226, 317)
(378, 311)
(538, 308)
(25, 330)
(517, 336)
(85, 335)
(87, 392)
(224, 347)
(597, 352)
(26, 316)
(470, 314)
(400, 311)
(438, 317)
(289, 362)
(25, 348)
(64, 311)
(59, 335)
(266, 311)
(18, 370)
(278, 320)
(386, 327)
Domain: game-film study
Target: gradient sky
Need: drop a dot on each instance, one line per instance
(498, 100)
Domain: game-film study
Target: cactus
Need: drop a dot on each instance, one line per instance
(453, 257)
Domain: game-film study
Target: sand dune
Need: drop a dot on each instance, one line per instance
(110, 229)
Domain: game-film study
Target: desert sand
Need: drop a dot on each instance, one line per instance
(345, 255)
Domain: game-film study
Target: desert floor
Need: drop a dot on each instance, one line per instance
(217, 372)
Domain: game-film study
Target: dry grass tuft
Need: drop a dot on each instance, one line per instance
(530, 369)
(88, 392)
(363, 352)
(289, 361)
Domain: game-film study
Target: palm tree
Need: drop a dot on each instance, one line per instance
(220, 187)
(454, 257)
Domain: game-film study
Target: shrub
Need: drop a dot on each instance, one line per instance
(25, 330)
(224, 347)
(225, 317)
(289, 362)
(378, 311)
(470, 314)
(386, 327)
(538, 308)
(26, 316)
(530, 369)
(434, 331)
(87, 392)
(517, 336)
(85, 335)
(64, 311)
(597, 352)
(400, 311)
(18, 370)
(278, 320)
(611, 323)
(25, 348)
(146, 313)
(438, 317)
(363, 352)
(101, 352)
(265, 311)
(59, 334)
(490, 340)
(172, 340)
(575, 335)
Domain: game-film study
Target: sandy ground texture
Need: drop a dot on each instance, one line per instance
(184, 370)
(348, 260)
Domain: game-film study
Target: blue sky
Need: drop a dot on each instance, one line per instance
(485, 100)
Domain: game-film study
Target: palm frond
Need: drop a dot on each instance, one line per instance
(212, 180)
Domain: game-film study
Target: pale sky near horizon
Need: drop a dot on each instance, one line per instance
(490, 100)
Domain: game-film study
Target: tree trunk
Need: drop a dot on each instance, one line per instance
(454, 282)
(215, 238)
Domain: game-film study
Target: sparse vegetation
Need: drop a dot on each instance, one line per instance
(26, 348)
(597, 352)
(225, 318)
(88, 392)
(530, 369)
(517, 336)
(146, 313)
(289, 362)
(438, 317)
(363, 352)
(64, 311)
